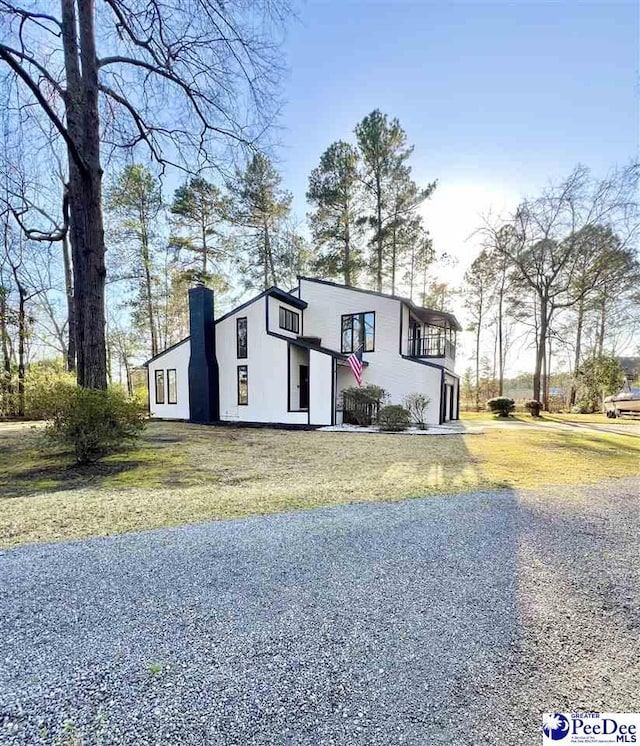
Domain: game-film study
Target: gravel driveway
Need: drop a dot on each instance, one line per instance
(452, 620)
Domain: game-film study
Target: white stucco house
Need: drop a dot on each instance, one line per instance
(281, 357)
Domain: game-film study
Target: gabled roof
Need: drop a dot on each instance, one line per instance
(427, 315)
(274, 292)
(164, 352)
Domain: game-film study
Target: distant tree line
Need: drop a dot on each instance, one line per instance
(561, 274)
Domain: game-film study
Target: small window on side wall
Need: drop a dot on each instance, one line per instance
(289, 320)
(159, 387)
(172, 386)
(241, 337)
(243, 385)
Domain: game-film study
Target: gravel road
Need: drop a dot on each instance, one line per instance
(454, 620)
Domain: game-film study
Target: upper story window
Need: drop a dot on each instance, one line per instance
(289, 320)
(359, 330)
(241, 337)
(159, 387)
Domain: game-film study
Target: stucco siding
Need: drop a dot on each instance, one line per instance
(176, 358)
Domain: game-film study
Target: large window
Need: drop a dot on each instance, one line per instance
(172, 386)
(241, 337)
(359, 330)
(159, 387)
(289, 320)
(243, 385)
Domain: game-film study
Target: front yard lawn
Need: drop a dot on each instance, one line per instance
(183, 473)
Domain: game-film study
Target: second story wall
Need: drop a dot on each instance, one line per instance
(329, 303)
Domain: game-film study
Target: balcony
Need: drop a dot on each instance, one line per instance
(431, 345)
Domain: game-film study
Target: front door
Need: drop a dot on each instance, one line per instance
(304, 387)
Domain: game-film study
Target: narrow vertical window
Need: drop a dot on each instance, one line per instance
(172, 386)
(159, 387)
(241, 337)
(243, 385)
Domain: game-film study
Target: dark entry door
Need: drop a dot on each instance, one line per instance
(304, 387)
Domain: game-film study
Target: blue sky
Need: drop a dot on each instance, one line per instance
(497, 98)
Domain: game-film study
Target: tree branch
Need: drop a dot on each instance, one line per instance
(35, 90)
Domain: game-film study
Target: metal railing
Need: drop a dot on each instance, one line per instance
(431, 345)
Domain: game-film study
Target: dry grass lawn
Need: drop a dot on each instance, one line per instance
(183, 473)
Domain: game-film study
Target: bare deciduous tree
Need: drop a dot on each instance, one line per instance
(182, 79)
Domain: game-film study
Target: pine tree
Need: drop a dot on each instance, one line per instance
(334, 192)
(390, 194)
(200, 211)
(135, 201)
(259, 208)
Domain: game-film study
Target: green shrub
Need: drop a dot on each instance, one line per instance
(42, 383)
(394, 418)
(93, 423)
(364, 402)
(583, 407)
(417, 405)
(534, 407)
(501, 405)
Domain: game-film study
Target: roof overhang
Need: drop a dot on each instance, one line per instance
(436, 318)
(287, 298)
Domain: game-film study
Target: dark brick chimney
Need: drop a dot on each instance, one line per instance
(204, 396)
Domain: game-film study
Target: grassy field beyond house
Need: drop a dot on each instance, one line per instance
(183, 473)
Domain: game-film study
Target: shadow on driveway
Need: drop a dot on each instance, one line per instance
(440, 620)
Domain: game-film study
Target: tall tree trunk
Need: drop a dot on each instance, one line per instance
(602, 322)
(269, 266)
(205, 248)
(347, 248)
(478, 330)
(5, 380)
(541, 343)
(148, 291)
(412, 270)
(548, 374)
(379, 241)
(578, 351)
(71, 311)
(501, 360)
(85, 192)
(22, 339)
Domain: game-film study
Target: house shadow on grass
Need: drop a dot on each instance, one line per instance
(28, 466)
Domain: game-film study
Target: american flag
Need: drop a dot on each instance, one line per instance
(355, 363)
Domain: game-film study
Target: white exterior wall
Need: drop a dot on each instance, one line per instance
(320, 388)
(266, 367)
(386, 367)
(177, 358)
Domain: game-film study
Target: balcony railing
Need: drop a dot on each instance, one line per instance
(431, 345)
